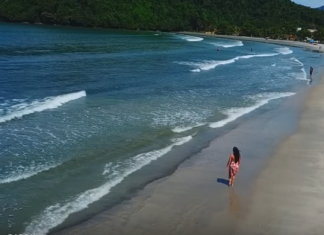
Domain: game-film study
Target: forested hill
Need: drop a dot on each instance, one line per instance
(321, 8)
(242, 17)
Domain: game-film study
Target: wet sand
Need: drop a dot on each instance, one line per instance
(288, 196)
(307, 46)
(279, 189)
(284, 198)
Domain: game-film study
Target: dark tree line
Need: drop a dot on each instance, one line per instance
(274, 18)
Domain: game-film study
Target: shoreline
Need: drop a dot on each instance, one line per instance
(194, 198)
(189, 196)
(205, 208)
(287, 194)
(308, 46)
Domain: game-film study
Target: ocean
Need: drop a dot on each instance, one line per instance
(90, 116)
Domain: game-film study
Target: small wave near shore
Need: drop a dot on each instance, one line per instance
(56, 214)
(211, 64)
(237, 112)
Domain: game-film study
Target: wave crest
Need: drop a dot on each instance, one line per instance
(284, 50)
(228, 44)
(23, 109)
(190, 38)
(56, 214)
(235, 113)
(211, 64)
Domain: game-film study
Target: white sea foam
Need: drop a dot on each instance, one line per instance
(228, 44)
(190, 38)
(302, 75)
(284, 50)
(206, 64)
(296, 61)
(111, 169)
(235, 113)
(180, 129)
(211, 64)
(22, 109)
(195, 70)
(180, 117)
(107, 168)
(26, 172)
(257, 55)
(273, 65)
(54, 215)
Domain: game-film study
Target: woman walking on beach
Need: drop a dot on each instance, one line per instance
(233, 165)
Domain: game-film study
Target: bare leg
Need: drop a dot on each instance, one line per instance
(229, 177)
(233, 179)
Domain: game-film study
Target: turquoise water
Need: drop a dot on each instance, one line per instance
(88, 116)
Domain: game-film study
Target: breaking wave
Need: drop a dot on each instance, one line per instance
(261, 99)
(22, 109)
(54, 215)
(228, 44)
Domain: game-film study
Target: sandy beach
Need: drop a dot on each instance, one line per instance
(284, 197)
(308, 46)
(196, 200)
(288, 193)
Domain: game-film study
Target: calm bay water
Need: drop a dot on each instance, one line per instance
(86, 113)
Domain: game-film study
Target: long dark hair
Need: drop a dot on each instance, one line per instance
(236, 153)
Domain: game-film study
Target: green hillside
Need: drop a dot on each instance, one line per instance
(241, 17)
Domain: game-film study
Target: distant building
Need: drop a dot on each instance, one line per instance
(290, 37)
(312, 30)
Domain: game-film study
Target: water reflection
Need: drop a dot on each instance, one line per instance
(234, 202)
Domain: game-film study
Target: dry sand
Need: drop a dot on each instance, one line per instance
(289, 194)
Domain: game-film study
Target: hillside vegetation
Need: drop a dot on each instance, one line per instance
(273, 18)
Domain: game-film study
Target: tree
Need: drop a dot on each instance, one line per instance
(303, 34)
(319, 34)
(275, 18)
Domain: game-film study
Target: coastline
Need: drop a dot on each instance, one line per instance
(287, 198)
(157, 184)
(307, 46)
(194, 199)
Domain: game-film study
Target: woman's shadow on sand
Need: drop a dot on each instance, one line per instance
(223, 181)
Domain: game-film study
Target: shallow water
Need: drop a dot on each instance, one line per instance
(84, 110)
